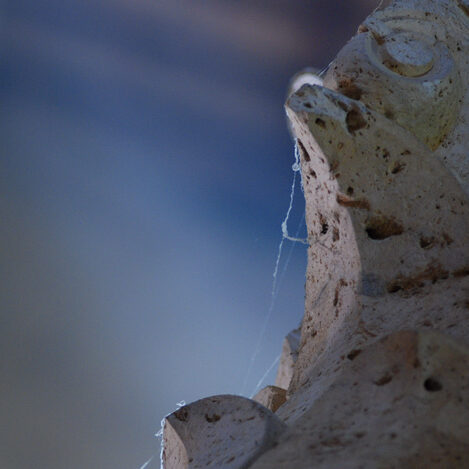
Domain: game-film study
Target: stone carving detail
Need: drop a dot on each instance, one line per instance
(380, 377)
(220, 431)
(403, 65)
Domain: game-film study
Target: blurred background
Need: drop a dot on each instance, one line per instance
(145, 170)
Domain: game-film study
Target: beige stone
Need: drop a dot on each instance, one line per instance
(288, 358)
(402, 402)
(387, 219)
(220, 431)
(271, 397)
(380, 378)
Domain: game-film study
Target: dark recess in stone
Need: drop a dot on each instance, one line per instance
(303, 151)
(354, 120)
(381, 227)
(432, 385)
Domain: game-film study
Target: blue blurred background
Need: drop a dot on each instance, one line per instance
(145, 169)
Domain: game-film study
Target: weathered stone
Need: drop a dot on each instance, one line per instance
(397, 220)
(288, 358)
(271, 397)
(220, 431)
(381, 375)
(403, 402)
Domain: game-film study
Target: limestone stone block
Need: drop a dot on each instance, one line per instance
(271, 397)
(219, 432)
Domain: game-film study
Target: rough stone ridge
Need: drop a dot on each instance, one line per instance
(380, 378)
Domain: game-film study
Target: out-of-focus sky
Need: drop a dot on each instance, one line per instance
(145, 169)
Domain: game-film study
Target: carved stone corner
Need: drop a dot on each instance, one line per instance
(219, 432)
(271, 397)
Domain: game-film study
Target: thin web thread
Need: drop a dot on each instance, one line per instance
(284, 270)
(159, 434)
(259, 384)
(290, 252)
(148, 462)
(285, 235)
(274, 293)
(324, 70)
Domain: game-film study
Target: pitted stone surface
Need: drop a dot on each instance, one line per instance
(384, 163)
(224, 431)
(380, 376)
(401, 403)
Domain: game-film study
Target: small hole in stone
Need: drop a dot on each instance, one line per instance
(389, 114)
(397, 167)
(354, 354)
(212, 418)
(324, 228)
(432, 385)
(381, 227)
(387, 378)
(308, 105)
(349, 190)
(426, 242)
(355, 120)
(394, 287)
(320, 122)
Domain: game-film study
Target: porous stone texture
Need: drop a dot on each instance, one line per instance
(220, 431)
(403, 402)
(381, 375)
